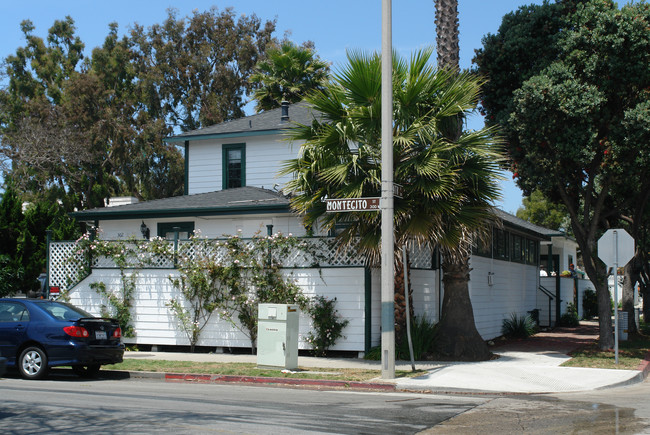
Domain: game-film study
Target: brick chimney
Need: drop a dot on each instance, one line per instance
(284, 117)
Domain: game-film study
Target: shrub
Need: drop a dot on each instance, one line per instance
(328, 326)
(589, 304)
(423, 336)
(518, 326)
(570, 318)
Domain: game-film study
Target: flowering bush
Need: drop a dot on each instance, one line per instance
(233, 283)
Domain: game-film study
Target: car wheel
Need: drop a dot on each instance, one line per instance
(33, 363)
(89, 371)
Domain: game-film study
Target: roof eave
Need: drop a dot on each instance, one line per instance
(89, 215)
(236, 134)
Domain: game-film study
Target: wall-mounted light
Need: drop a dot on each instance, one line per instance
(144, 230)
(490, 278)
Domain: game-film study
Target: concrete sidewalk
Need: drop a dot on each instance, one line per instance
(531, 371)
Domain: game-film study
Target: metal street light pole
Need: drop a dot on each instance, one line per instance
(387, 236)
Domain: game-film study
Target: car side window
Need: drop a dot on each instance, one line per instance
(13, 312)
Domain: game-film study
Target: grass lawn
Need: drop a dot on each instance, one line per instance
(630, 353)
(250, 369)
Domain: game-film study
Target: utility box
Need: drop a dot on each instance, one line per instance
(277, 336)
(622, 325)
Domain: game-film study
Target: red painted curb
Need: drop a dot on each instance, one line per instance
(644, 366)
(213, 379)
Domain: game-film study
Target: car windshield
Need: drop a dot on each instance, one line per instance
(63, 311)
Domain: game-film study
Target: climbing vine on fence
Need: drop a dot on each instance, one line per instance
(227, 277)
(247, 273)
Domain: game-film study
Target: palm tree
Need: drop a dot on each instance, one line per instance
(458, 337)
(447, 43)
(449, 186)
(288, 72)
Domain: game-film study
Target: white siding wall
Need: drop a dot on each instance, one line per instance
(513, 291)
(156, 324)
(566, 295)
(264, 157)
(425, 299)
(425, 293)
(209, 227)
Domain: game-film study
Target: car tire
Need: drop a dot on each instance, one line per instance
(89, 371)
(33, 363)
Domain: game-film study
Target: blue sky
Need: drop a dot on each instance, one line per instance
(334, 26)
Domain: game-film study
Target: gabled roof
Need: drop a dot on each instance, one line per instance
(240, 200)
(267, 122)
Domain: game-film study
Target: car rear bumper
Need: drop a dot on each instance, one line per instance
(79, 353)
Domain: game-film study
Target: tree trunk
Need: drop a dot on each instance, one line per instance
(631, 277)
(604, 298)
(597, 273)
(447, 41)
(458, 338)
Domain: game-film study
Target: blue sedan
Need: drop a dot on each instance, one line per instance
(36, 334)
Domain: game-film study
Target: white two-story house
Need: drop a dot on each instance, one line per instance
(232, 186)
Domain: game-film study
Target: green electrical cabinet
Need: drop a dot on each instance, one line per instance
(277, 336)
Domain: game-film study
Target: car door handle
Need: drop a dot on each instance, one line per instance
(20, 327)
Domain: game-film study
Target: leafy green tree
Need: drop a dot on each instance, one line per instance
(573, 104)
(11, 227)
(39, 218)
(88, 129)
(448, 185)
(287, 74)
(540, 211)
(194, 71)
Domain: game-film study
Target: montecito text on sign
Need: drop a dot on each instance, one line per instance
(352, 204)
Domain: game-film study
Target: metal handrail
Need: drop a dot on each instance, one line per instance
(550, 299)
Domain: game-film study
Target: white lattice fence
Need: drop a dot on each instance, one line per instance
(420, 256)
(67, 264)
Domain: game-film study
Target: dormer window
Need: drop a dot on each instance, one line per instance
(234, 166)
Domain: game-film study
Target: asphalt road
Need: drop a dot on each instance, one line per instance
(66, 404)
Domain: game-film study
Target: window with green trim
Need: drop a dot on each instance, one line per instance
(482, 247)
(234, 165)
(166, 230)
(532, 254)
(501, 245)
(518, 252)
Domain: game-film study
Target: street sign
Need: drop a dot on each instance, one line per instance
(616, 246)
(352, 204)
(398, 190)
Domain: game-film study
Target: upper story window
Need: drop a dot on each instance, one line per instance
(234, 165)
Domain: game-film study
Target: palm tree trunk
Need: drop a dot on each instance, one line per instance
(459, 339)
(447, 34)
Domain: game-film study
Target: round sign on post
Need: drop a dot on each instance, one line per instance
(615, 248)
